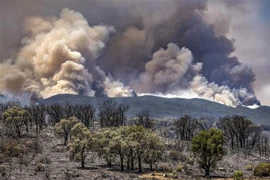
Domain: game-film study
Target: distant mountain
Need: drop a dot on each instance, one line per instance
(170, 107)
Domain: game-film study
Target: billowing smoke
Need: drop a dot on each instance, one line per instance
(157, 47)
(171, 71)
(54, 57)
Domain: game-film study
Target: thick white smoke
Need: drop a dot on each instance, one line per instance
(172, 71)
(53, 58)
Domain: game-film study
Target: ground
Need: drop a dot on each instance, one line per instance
(53, 163)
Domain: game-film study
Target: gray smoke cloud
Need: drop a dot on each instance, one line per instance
(172, 71)
(104, 48)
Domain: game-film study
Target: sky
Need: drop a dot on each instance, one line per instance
(221, 48)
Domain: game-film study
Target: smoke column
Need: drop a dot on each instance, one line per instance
(54, 55)
(153, 47)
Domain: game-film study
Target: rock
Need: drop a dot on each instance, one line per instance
(221, 169)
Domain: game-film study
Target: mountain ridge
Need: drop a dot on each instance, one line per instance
(161, 107)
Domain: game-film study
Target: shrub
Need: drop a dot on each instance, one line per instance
(2, 158)
(177, 156)
(174, 155)
(262, 169)
(165, 168)
(24, 160)
(3, 170)
(249, 167)
(59, 149)
(45, 160)
(179, 168)
(174, 175)
(191, 161)
(238, 175)
(12, 149)
(39, 167)
(34, 146)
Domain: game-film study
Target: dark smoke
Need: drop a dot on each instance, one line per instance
(142, 28)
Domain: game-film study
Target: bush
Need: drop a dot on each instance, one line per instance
(39, 167)
(174, 155)
(24, 160)
(3, 170)
(34, 146)
(179, 168)
(262, 169)
(249, 167)
(191, 161)
(2, 158)
(238, 175)
(45, 160)
(12, 149)
(59, 149)
(165, 168)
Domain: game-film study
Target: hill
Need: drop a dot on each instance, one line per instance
(170, 107)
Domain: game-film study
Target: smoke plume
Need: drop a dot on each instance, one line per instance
(54, 56)
(111, 49)
(171, 71)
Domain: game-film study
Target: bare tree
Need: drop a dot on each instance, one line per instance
(85, 113)
(240, 131)
(111, 114)
(144, 119)
(55, 112)
(255, 134)
(205, 122)
(68, 110)
(37, 115)
(122, 109)
(185, 128)
(227, 127)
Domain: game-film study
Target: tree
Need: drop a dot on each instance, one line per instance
(37, 115)
(117, 144)
(238, 130)
(226, 126)
(144, 141)
(68, 110)
(121, 111)
(129, 143)
(144, 119)
(111, 114)
(155, 147)
(85, 113)
(64, 127)
(56, 113)
(102, 139)
(205, 122)
(81, 142)
(242, 127)
(185, 128)
(15, 117)
(208, 147)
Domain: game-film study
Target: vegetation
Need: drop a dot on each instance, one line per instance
(208, 147)
(262, 169)
(15, 118)
(178, 148)
(63, 128)
(185, 128)
(129, 143)
(238, 175)
(81, 143)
